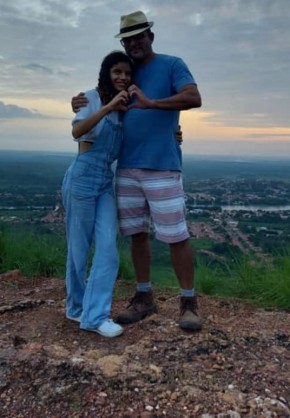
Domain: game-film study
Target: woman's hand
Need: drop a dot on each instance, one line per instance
(119, 102)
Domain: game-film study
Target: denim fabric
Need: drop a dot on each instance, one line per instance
(89, 202)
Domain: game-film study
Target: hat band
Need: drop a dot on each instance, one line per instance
(135, 27)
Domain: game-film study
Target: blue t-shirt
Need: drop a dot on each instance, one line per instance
(149, 135)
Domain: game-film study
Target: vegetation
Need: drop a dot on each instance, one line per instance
(32, 253)
(267, 285)
(229, 266)
(44, 254)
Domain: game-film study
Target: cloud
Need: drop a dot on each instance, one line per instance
(47, 12)
(269, 135)
(42, 69)
(10, 111)
(238, 51)
(38, 68)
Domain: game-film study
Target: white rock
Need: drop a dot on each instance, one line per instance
(149, 408)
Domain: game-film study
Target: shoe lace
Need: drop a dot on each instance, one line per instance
(135, 300)
(188, 304)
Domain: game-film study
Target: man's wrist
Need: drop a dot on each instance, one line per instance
(152, 104)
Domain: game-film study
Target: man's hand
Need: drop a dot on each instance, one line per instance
(178, 135)
(140, 100)
(78, 101)
(187, 97)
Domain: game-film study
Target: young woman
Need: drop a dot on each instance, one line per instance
(89, 200)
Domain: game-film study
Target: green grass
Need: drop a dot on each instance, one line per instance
(203, 244)
(31, 253)
(126, 270)
(267, 285)
(44, 254)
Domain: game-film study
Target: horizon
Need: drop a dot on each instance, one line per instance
(238, 158)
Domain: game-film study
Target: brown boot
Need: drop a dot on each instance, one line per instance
(140, 306)
(189, 318)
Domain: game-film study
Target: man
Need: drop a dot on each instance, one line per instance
(148, 177)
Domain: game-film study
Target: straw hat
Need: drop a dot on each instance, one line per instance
(133, 24)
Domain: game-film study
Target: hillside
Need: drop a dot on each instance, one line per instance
(237, 366)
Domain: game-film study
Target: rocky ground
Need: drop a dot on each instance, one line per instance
(237, 366)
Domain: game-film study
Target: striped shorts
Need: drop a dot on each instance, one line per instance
(146, 196)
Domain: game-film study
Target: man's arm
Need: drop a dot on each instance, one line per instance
(188, 97)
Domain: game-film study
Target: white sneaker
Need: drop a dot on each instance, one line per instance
(107, 329)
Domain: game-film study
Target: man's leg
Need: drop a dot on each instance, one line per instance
(183, 263)
(133, 215)
(165, 196)
(141, 256)
(182, 258)
(142, 304)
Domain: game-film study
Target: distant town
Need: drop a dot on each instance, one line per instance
(233, 211)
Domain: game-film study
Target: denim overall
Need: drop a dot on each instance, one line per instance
(90, 206)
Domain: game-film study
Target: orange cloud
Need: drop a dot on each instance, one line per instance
(195, 124)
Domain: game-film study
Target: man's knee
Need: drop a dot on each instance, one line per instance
(180, 245)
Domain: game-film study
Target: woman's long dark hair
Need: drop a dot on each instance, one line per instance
(105, 86)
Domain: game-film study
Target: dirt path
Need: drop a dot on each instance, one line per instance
(237, 366)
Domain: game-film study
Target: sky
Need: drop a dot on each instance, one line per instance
(237, 50)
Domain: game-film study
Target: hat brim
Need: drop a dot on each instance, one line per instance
(134, 32)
